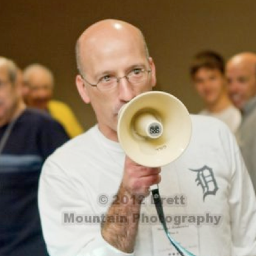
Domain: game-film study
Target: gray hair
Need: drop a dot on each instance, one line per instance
(78, 57)
(12, 68)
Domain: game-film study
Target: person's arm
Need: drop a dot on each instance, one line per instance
(64, 114)
(242, 206)
(243, 211)
(73, 126)
(60, 193)
(134, 187)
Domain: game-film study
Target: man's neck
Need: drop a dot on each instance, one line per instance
(223, 103)
(14, 113)
(108, 133)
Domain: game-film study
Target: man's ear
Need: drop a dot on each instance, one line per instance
(82, 89)
(153, 71)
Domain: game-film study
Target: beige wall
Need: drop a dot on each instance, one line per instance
(45, 31)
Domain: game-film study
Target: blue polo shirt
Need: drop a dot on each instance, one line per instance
(33, 138)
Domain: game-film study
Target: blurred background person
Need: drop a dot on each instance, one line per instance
(24, 89)
(207, 72)
(27, 138)
(39, 84)
(241, 77)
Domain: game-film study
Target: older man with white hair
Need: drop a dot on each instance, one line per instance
(27, 138)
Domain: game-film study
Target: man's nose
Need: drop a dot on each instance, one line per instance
(126, 90)
(232, 86)
(207, 83)
(42, 93)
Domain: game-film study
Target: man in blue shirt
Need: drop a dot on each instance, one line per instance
(27, 138)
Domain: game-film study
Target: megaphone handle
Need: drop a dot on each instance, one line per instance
(159, 208)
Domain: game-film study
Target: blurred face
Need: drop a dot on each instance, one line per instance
(8, 96)
(114, 58)
(20, 82)
(210, 84)
(241, 79)
(40, 87)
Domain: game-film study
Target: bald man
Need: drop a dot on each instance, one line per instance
(38, 87)
(94, 200)
(241, 75)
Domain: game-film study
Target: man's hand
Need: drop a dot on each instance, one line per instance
(135, 184)
(137, 179)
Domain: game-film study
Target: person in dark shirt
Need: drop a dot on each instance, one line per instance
(27, 138)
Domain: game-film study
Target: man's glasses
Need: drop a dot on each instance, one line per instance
(136, 77)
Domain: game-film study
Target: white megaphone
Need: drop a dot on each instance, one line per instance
(154, 128)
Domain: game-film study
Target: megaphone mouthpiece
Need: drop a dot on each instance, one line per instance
(146, 125)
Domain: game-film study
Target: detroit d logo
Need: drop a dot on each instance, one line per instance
(205, 178)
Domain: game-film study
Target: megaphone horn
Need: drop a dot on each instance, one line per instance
(154, 128)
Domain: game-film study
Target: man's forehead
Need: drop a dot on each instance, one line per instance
(113, 58)
(243, 67)
(239, 72)
(39, 76)
(113, 42)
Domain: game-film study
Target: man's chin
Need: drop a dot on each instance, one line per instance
(239, 105)
(40, 106)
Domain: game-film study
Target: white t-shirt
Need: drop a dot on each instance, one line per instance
(231, 116)
(209, 180)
